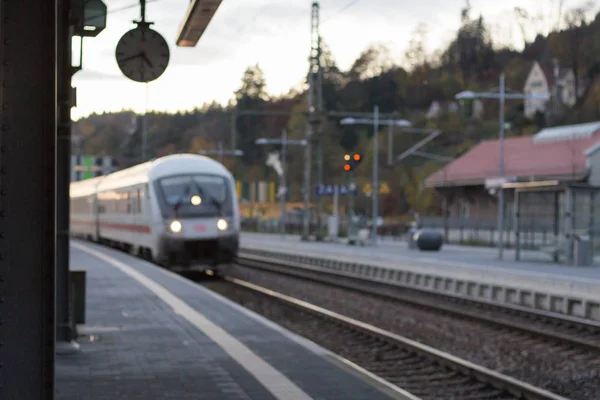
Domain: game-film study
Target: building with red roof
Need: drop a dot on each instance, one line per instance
(565, 153)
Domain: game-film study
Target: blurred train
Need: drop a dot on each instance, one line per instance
(180, 211)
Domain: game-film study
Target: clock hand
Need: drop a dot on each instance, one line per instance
(132, 57)
(146, 59)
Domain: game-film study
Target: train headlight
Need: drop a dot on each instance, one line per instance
(175, 226)
(196, 200)
(222, 224)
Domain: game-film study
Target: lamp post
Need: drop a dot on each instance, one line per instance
(375, 122)
(502, 96)
(220, 152)
(284, 142)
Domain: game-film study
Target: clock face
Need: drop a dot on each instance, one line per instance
(142, 54)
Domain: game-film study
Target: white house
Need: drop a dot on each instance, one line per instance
(556, 82)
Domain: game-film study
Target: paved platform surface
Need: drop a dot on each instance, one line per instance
(151, 334)
(449, 255)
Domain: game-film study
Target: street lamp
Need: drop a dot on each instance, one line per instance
(220, 152)
(375, 122)
(502, 96)
(284, 142)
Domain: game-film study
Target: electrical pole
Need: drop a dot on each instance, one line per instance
(375, 175)
(501, 189)
(233, 138)
(307, 168)
(315, 105)
(351, 185)
(390, 142)
(283, 184)
(220, 151)
(318, 126)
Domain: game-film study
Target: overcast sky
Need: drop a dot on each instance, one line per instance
(274, 34)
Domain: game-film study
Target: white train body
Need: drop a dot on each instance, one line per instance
(181, 211)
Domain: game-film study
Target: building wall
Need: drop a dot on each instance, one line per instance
(257, 192)
(568, 89)
(473, 202)
(536, 83)
(87, 167)
(594, 166)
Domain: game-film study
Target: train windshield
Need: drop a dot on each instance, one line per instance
(196, 195)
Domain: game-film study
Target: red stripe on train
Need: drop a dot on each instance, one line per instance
(115, 226)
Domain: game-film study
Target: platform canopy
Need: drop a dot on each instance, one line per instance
(196, 20)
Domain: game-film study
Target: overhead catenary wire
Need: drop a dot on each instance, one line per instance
(340, 10)
(129, 7)
(247, 25)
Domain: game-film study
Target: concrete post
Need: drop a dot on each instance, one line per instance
(27, 198)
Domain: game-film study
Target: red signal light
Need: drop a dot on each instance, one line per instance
(347, 167)
(357, 157)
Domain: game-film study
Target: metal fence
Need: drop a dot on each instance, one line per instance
(571, 212)
(541, 219)
(471, 231)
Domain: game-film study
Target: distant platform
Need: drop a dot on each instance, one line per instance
(151, 334)
(450, 255)
(455, 270)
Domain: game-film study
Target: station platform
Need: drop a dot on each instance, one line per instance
(450, 255)
(151, 334)
(454, 270)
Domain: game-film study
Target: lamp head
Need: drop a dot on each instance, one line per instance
(466, 95)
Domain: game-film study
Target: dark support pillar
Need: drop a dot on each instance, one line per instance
(557, 214)
(27, 198)
(64, 324)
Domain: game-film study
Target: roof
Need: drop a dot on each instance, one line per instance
(196, 20)
(162, 167)
(547, 68)
(568, 132)
(85, 187)
(524, 158)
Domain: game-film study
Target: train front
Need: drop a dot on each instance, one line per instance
(199, 217)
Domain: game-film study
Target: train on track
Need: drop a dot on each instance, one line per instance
(179, 211)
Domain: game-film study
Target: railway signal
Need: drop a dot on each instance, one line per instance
(351, 161)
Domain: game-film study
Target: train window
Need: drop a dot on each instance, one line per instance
(214, 185)
(124, 203)
(139, 201)
(176, 188)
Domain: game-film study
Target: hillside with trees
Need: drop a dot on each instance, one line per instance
(471, 61)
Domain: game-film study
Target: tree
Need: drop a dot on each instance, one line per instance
(468, 62)
(252, 95)
(333, 79)
(418, 196)
(576, 20)
(373, 61)
(200, 143)
(522, 21)
(254, 85)
(416, 54)
(471, 52)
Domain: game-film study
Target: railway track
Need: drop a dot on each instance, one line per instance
(580, 334)
(419, 369)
